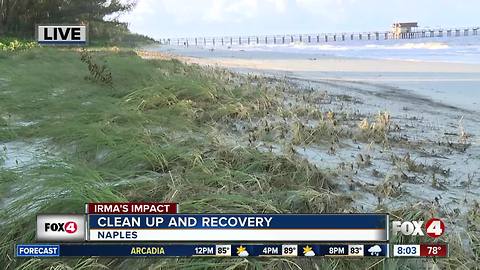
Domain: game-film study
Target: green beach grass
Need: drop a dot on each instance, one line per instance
(154, 134)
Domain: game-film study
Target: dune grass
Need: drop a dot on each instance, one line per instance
(150, 136)
(154, 134)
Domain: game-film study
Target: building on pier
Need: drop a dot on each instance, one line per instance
(404, 30)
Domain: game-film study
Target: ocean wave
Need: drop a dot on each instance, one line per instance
(455, 49)
(294, 45)
(329, 47)
(427, 45)
(324, 47)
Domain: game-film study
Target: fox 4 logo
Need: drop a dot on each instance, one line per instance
(433, 227)
(68, 227)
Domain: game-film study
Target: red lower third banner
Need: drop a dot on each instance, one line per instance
(132, 208)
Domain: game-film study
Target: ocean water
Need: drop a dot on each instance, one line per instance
(443, 49)
(464, 49)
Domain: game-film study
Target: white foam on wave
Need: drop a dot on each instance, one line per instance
(330, 47)
(407, 46)
(294, 45)
(324, 47)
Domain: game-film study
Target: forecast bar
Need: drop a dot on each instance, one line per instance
(208, 250)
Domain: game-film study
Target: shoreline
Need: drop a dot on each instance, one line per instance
(454, 84)
(340, 65)
(324, 63)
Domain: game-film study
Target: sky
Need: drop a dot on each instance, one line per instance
(198, 18)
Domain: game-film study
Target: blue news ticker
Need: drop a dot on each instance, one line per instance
(38, 250)
(265, 221)
(189, 250)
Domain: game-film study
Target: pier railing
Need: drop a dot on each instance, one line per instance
(226, 41)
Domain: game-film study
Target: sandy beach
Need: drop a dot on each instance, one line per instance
(343, 65)
(455, 84)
